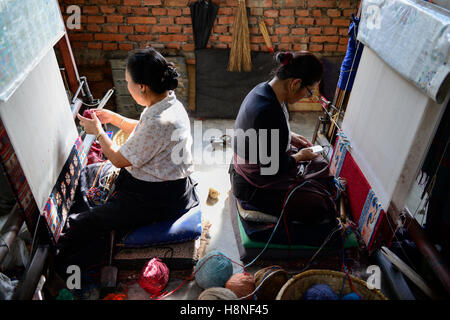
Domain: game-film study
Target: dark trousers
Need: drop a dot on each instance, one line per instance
(85, 238)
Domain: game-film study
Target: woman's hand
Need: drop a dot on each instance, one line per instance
(91, 126)
(299, 141)
(104, 115)
(305, 155)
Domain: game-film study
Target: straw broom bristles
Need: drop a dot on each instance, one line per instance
(240, 54)
(265, 34)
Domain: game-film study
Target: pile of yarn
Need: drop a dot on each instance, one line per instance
(269, 281)
(320, 292)
(213, 270)
(242, 284)
(154, 276)
(217, 293)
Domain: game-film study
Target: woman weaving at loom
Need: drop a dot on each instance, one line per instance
(150, 186)
(265, 110)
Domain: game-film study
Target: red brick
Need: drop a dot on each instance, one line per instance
(259, 3)
(340, 22)
(174, 29)
(305, 21)
(330, 30)
(90, 9)
(298, 31)
(344, 4)
(302, 13)
(187, 30)
(80, 36)
(325, 39)
(333, 13)
(131, 2)
(284, 47)
(254, 47)
(292, 3)
(321, 3)
(287, 12)
(271, 13)
(323, 21)
(330, 48)
(225, 11)
(183, 20)
(107, 9)
(220, 29)
(176, 3)
(96, 19)
(287, 21)
(223, 20)
(110, 46)
(166, 20)
(94, 45)
(142, 28)
(159, 11)
(111, 29)
(316, 13)
(343, 41)
(124, 10)
(300, 47)
(186, 11)
(141, 37)
(255, 11)
(225, 38)
(159, 29)
(315, 47)
(342, 48)
(174, 12)
(269, 22)
(141, 20)
(174, 45)
(78, 45)
(255, 39)
(348, 12)
(316, 30)
(172, 37)
(281, 30)
(152, 2)
(93, 27)
(188, 47)
(141, 11)
(109, 37)
(126, 46)
(126, 29)
(114, 19)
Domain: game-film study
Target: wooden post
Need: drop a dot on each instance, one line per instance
(69, 63)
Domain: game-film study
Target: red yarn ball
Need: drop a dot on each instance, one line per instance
(154, 276)
(242, 284)
(88, 113)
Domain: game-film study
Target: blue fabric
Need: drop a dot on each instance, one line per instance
(185, 228)
(353, 54)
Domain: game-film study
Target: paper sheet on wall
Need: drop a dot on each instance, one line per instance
(28, 30)
(413, 37)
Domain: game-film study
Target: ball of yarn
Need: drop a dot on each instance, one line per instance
(217, 293)
(154, 276)
(88, 113)
(213, 270)
(242, 284)
(351, 296)
(319, 292)
(269, 280)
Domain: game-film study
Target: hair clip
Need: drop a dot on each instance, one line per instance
(287, 57)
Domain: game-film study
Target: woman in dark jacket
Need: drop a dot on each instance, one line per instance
(267, 155)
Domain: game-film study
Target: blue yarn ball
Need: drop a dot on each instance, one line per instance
(351, 296)
(213, 270)
(319, 292)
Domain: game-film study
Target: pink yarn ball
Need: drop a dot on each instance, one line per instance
(154, 276)
(242, 284)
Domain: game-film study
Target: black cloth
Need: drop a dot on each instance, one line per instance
(85, 238)
(261, 110)
(203, 15)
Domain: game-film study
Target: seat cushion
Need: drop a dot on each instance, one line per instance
(185, 228)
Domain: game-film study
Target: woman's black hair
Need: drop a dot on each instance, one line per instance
(300, 65)
(147, 66)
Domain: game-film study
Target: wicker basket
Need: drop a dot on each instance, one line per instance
(298, 284)
(120, 137)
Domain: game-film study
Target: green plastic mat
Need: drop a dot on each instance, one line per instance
(350, 241)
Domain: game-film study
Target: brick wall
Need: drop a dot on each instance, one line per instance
(110, 28)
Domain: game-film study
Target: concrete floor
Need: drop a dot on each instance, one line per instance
(211, 170)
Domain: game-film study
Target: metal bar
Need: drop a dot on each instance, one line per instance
(11, 229)
(27, 287)
(434, 259)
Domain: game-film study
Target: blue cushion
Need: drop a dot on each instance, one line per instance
(185, 228)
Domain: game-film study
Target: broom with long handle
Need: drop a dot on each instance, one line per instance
(265, 34)
(240, 54)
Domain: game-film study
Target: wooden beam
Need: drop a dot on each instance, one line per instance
(69, 63)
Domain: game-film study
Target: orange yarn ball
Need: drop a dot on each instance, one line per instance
(242, 284)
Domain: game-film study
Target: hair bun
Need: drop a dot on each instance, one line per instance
(284, 57)
(170, 76)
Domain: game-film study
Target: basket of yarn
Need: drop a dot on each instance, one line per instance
(305, 286)
(242, 285)
(269, 281)
(217, 293)
(154, 276)
(120, 137)
(213, 270)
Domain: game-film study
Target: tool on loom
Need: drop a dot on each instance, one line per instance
(108, 274)
(408, 272)
(240, 54)
(265, 34)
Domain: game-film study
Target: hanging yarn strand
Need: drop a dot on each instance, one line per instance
(240, 53)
